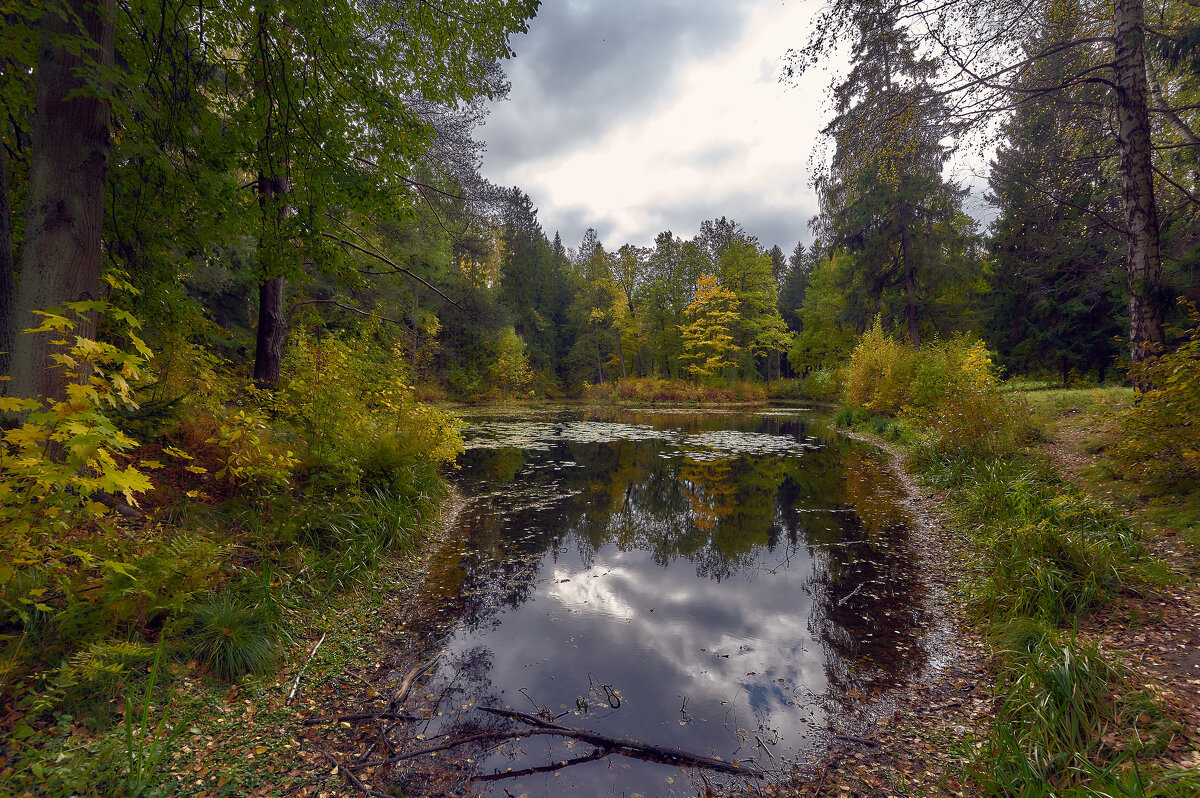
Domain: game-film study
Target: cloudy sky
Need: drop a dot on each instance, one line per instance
(637, 116)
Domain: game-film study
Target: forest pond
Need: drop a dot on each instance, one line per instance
(723, 583)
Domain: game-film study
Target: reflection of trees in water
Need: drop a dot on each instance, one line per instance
(867, 600)
(716, 513)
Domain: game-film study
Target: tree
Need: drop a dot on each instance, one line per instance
(795, 285)
(708, 345)
(1053, 298)
(716, 236)
(748, 274)
(983, 49)
(598, 312)
(672, 270)
(70, 140)
(883, 197)
(826, 332)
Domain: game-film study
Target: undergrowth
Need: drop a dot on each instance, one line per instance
(657, 390)
(181, 523)
(1042, 556)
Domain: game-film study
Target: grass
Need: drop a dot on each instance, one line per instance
(1046, 549)
(1085, 422)
(1044, 555)
(656, 390)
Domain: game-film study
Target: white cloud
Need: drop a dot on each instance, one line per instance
(664, 142)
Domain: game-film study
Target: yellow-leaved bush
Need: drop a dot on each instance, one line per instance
(61, 455)
(355, 415)
(947, 388)
(880, 373)
(1161, 443)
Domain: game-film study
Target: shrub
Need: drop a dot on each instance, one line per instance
(355, 417)
(232, 637)
(955, 398)
(881, 372)
(825, 385)
(1161, 441)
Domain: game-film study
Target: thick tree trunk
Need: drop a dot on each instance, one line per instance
(60, 259)
(8, 285)
(1142, 261)
(272, 323)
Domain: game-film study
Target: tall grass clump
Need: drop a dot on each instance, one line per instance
(232, 636)
(1057, 702)
(1047, 550)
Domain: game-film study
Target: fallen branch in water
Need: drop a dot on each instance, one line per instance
(483, 737)
(599, 753)
(631, 748)
(401, 694)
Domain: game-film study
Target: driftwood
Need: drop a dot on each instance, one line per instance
(631, 748)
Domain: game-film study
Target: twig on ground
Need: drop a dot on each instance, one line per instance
(307, 662)
(345, 773)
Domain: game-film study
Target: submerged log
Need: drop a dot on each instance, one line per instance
(636, 749)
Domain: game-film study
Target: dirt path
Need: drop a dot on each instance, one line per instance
(1156, 631)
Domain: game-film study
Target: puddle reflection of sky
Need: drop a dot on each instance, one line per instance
(710, 664)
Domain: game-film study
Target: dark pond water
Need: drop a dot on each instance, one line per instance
(726, 584)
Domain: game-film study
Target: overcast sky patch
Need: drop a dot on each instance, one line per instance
(636, 117)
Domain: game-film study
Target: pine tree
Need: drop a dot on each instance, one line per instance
(883, 197)
(1055, 290)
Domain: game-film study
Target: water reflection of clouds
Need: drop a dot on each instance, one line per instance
(703, 637)
(753, 621)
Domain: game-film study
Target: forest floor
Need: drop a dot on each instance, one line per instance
(254, 740)
(923, 735)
